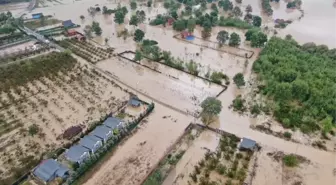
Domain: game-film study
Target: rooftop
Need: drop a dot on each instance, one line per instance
(101, 131)
(67, 23)
(247, 143)
(112, 122)
(75, 153)
(49, 169)
(89, 142)
(134, 102)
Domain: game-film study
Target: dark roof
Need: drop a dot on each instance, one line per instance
(71, 132)
(247, 143)
(134, 102)
(89, 142)
(49, 169)
(67, 23)
(75, 153)
(112, 122)
(101, 131)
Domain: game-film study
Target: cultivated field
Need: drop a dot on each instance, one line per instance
(41, 99)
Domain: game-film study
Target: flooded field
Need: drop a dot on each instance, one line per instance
(271, 171)
(140, 153)
(17, 48)
(184, 93)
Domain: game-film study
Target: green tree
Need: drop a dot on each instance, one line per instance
(222, 37)
(300, 89)
(239, 80)
(138, 56)
(174, 14)
(138, 35)
(250, 32)
(149, 3)
(133, 5)
(234, 40)
(33, 129)
(227, 5)
(191, 24)
(210, 108)
(179, 25)
(82, 17)
(248, 8)
(327, 124)
(256, 21)
(134, 20)
(96, 28)
(214, 7)
(119, 17)
(258, 39)
(141, 16)
(237, 11)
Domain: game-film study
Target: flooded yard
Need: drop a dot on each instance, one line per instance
(184, 93)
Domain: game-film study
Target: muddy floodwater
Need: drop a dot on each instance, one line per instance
(185, 93)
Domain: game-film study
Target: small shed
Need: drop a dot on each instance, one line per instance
(68, 24)
(134, 102)
(37, 15)
(77, 154)
(185, 34)
(49, 169)
(91, 142)
(71, 32)
(247, 144)
(113, 123)
(102, 132)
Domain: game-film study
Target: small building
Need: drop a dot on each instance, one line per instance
(49, 169)
(68, 24)
(113, 123)
(77, 154)
(91, 142)
(247, 144)
(102, 132)
(71, 32)
(37, 15)
(134, 102)
(185, 34)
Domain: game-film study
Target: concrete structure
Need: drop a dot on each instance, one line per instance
(102, 132)
(247, 144)
(113, 123)
(50, 169)
(77, 154)
(91, 142)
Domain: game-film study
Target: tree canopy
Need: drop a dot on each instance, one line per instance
(300, 81)
(234, 39)
(222, 37)
(138, 35)
(211, 107)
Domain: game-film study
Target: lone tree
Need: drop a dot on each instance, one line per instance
(138, 35)
(248, 9)
(133, 5)
(82, 17)
(237, 11)
(134, 20)
(33, 129)
(256, 21)
(119, 16)
(222, 37)
(239, 80)
(234, 39)
(211, 108)
(96, 28)
(226, 4)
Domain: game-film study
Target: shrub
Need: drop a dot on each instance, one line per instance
(221, 169)
(290, 160)
(287, 135)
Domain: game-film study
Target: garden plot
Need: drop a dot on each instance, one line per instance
(86, 50)
(183, 92)
(35, 110)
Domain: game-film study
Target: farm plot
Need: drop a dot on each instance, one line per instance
(86, 50)
(40, 99)
(179, 90)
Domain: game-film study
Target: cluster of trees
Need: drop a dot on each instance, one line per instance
(223, 36)
(301, 82)
(294, 4)
(257, 37)
(119, 15)
(267, 8)
(7, 23)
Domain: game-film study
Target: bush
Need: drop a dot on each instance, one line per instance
(287, 135)
(221, 169)
(290, 160)
(238, 104)
(239, 80)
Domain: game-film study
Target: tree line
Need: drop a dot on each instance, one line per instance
(300, 82)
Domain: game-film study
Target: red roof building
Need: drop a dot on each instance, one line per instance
(71, 32)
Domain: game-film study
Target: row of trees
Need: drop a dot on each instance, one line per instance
(300, 83)
(223, 36)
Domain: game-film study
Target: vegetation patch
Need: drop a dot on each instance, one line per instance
(299, 81)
